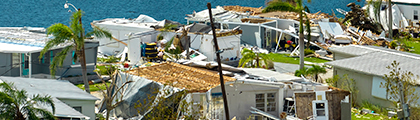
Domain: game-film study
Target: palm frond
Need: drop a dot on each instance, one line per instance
(100, 33)
(44, 113)
(75, 25)
(44, 100)
(30, 112)
(61, 33)
(59, 59)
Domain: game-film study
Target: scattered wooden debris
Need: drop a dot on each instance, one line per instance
(237, 8)
(294, 15)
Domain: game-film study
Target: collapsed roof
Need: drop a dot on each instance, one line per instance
(192, 79)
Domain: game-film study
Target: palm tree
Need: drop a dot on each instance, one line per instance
(15, 104)
(316, 70)
(73, 35)
(302, 72)
(249, 56)
(299, 9)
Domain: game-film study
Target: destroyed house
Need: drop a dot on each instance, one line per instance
(149, 79)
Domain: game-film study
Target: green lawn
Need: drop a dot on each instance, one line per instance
(357, 116)
(415, 46)
(284, 58)
(93, 87)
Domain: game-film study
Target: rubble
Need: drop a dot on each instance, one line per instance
(294, 15)
(237, 8)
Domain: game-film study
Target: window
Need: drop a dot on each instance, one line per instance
(416, 15)
(15, 60)
(271, 101)
(265, 101)
(259, 101)
(26, 61)
(78, 108)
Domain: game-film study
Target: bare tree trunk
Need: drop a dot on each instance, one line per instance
(84, 71)
(82, 58)
(301, 43)
(390, 18)
(258, 61)
(107, 114)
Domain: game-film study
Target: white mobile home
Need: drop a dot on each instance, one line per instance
(21, 46)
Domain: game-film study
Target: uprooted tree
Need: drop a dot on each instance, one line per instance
(358, 18)
(167, 103)
(111, 98)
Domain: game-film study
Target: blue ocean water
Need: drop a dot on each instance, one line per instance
(43, 13)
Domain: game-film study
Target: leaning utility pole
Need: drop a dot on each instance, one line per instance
(390, 18)
(216, 46)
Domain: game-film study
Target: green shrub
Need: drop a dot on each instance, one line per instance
(308, 52)
(279, 6)
(109, 59)
(160, 37)
(332, 81)
(393, 44)
(106, 69)
(303, 72)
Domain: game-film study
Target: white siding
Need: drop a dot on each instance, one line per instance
(88, 106)
(242, 96)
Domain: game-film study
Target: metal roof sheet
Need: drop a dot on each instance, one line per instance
(375, 63)
(61, 89)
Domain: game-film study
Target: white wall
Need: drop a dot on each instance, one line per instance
(407, 10)
(88, 106)
(120, 32)
(364, 84)
(207, 47)
(242, 96)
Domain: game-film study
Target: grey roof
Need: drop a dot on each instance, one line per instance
(268, 73)
(55, 88)
(354, 50)
(63, 110)
(357, 50)
(375, 63)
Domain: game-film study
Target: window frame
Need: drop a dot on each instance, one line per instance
(269, 101)
(415, 15)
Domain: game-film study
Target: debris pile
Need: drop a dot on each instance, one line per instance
(358, 18)
(294, 15)
(237, 8)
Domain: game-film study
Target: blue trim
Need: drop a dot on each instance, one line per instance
(24, 71)
(51, 56)
(72, 56)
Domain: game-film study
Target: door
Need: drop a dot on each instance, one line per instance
(25, 64)
(320, 109)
